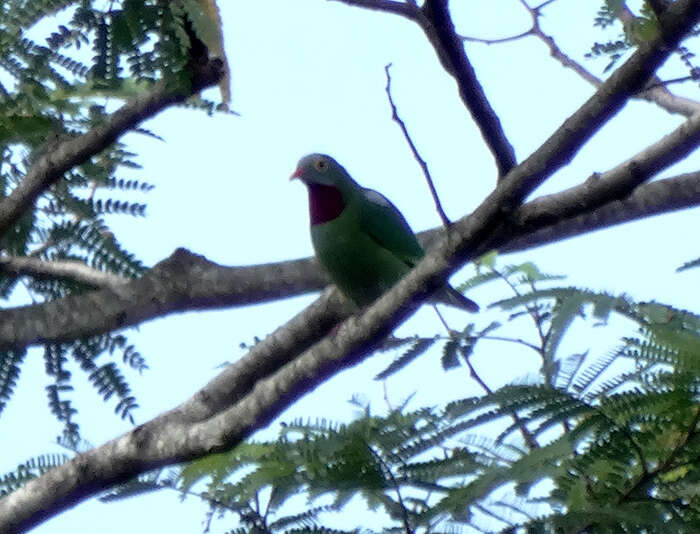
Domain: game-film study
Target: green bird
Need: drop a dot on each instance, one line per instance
(359, 236)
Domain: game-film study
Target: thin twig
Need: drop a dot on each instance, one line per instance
(424, 166)
(663, 83)
(655, 92)
(543, 5)
(498, 40)
(514, 340)
(527, 436)
(397, 488)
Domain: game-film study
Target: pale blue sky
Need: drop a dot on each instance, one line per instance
(309, 77)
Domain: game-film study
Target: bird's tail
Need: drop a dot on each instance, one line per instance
(450, 296)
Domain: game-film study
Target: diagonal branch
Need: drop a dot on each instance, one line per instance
(186, 281)
(439, 28)
(50, 167)
(661, 196)
(405, 9)
(656, 92)
(434, 19)
(73, 270)
(616, 184)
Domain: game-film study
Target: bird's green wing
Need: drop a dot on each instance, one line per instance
(386, 225)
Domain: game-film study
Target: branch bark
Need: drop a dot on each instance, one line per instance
(434, 18)
(63, 269)
(436, 22)
(186, 281)
(51, 166)
(656, 92)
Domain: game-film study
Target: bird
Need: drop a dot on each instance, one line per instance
(360, 238)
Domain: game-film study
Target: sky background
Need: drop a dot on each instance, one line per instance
(308, 76)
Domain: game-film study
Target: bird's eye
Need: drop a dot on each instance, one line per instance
(320, 165)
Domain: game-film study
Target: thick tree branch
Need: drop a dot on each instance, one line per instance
(62, 269)
(655, 198)
(615, 185)
(187, 282)
(439, 28)
(51, 166)
(182, 282)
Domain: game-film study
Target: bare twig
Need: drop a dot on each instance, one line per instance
(682, 79)
(424, 166)
(518, 341)
(527, 436)
(659, 95)
(434, 19)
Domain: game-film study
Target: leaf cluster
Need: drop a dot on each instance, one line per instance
(64, 67)
(596, 443)
(635, 29)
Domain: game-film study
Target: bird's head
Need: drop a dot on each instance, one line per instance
(320, 169)
(329, 184)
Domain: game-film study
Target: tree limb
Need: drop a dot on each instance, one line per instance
(64, 269)
(655, 198)
(50, 167)
(186, 281)
(616, 184)
(182, 282)
(408, 10)
(439, 28)
(656, 91)
(434, 19)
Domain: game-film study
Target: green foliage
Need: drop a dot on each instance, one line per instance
(33, 468)
(106, 378)
(596, 444)
(64, 66)
(10, 362)
(636, 28)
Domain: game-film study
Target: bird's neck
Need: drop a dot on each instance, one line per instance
(325, 203)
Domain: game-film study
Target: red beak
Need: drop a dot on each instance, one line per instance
(296, 174)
